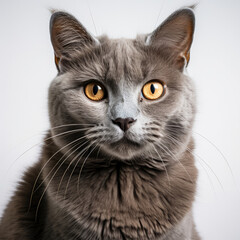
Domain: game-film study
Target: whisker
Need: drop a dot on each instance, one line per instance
(62, 156)
(72, 124)
(163, 164)
(92, 17)
(177, 160)
(69, 165)
(163, 3)
(39, 202)
(34, 186)
(80, 172)
(208, 176)
(223, 156)
(78, 156)
(212, 144)
(59, 159)
(189, 150)
(44, 140)
(67, 157)
(205, 170)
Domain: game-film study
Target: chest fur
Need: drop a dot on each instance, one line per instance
(122, 202)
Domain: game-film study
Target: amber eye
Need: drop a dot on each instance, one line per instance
(153, 90)
(95, 91)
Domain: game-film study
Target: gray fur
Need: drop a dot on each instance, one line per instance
(138, 184)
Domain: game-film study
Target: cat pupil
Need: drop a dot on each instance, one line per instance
(95, 89)
(152, 88)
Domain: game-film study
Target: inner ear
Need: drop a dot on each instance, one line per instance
(174, 36)
(68, 35)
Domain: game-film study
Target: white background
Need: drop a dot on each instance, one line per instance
(27, 68)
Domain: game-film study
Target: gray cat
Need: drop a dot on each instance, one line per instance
(117, 162)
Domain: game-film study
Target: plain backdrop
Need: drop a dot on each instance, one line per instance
(27, 67)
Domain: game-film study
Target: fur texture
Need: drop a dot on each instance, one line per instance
(94, 180)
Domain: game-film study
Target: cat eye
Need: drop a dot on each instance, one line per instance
(153, 90)
(95, 91)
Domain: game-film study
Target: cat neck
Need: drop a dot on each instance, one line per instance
(115, 197)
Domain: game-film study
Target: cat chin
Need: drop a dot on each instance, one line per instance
(123, 149)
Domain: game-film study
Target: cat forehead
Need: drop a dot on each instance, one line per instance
(117, 60)
(124, 60)
(122, 48)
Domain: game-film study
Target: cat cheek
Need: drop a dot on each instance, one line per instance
(85, 110)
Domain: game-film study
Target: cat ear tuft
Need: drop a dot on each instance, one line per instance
(174, 36)
(68, 36)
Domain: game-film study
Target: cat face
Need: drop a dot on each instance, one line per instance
(127, 99)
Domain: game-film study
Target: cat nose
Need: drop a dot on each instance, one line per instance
(124, 123)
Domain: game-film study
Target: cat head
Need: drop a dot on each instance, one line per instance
(122, 98)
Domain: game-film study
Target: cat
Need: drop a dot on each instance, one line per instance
(117, 161)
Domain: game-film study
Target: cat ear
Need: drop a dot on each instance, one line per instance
(174, 37)
(68, 36)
